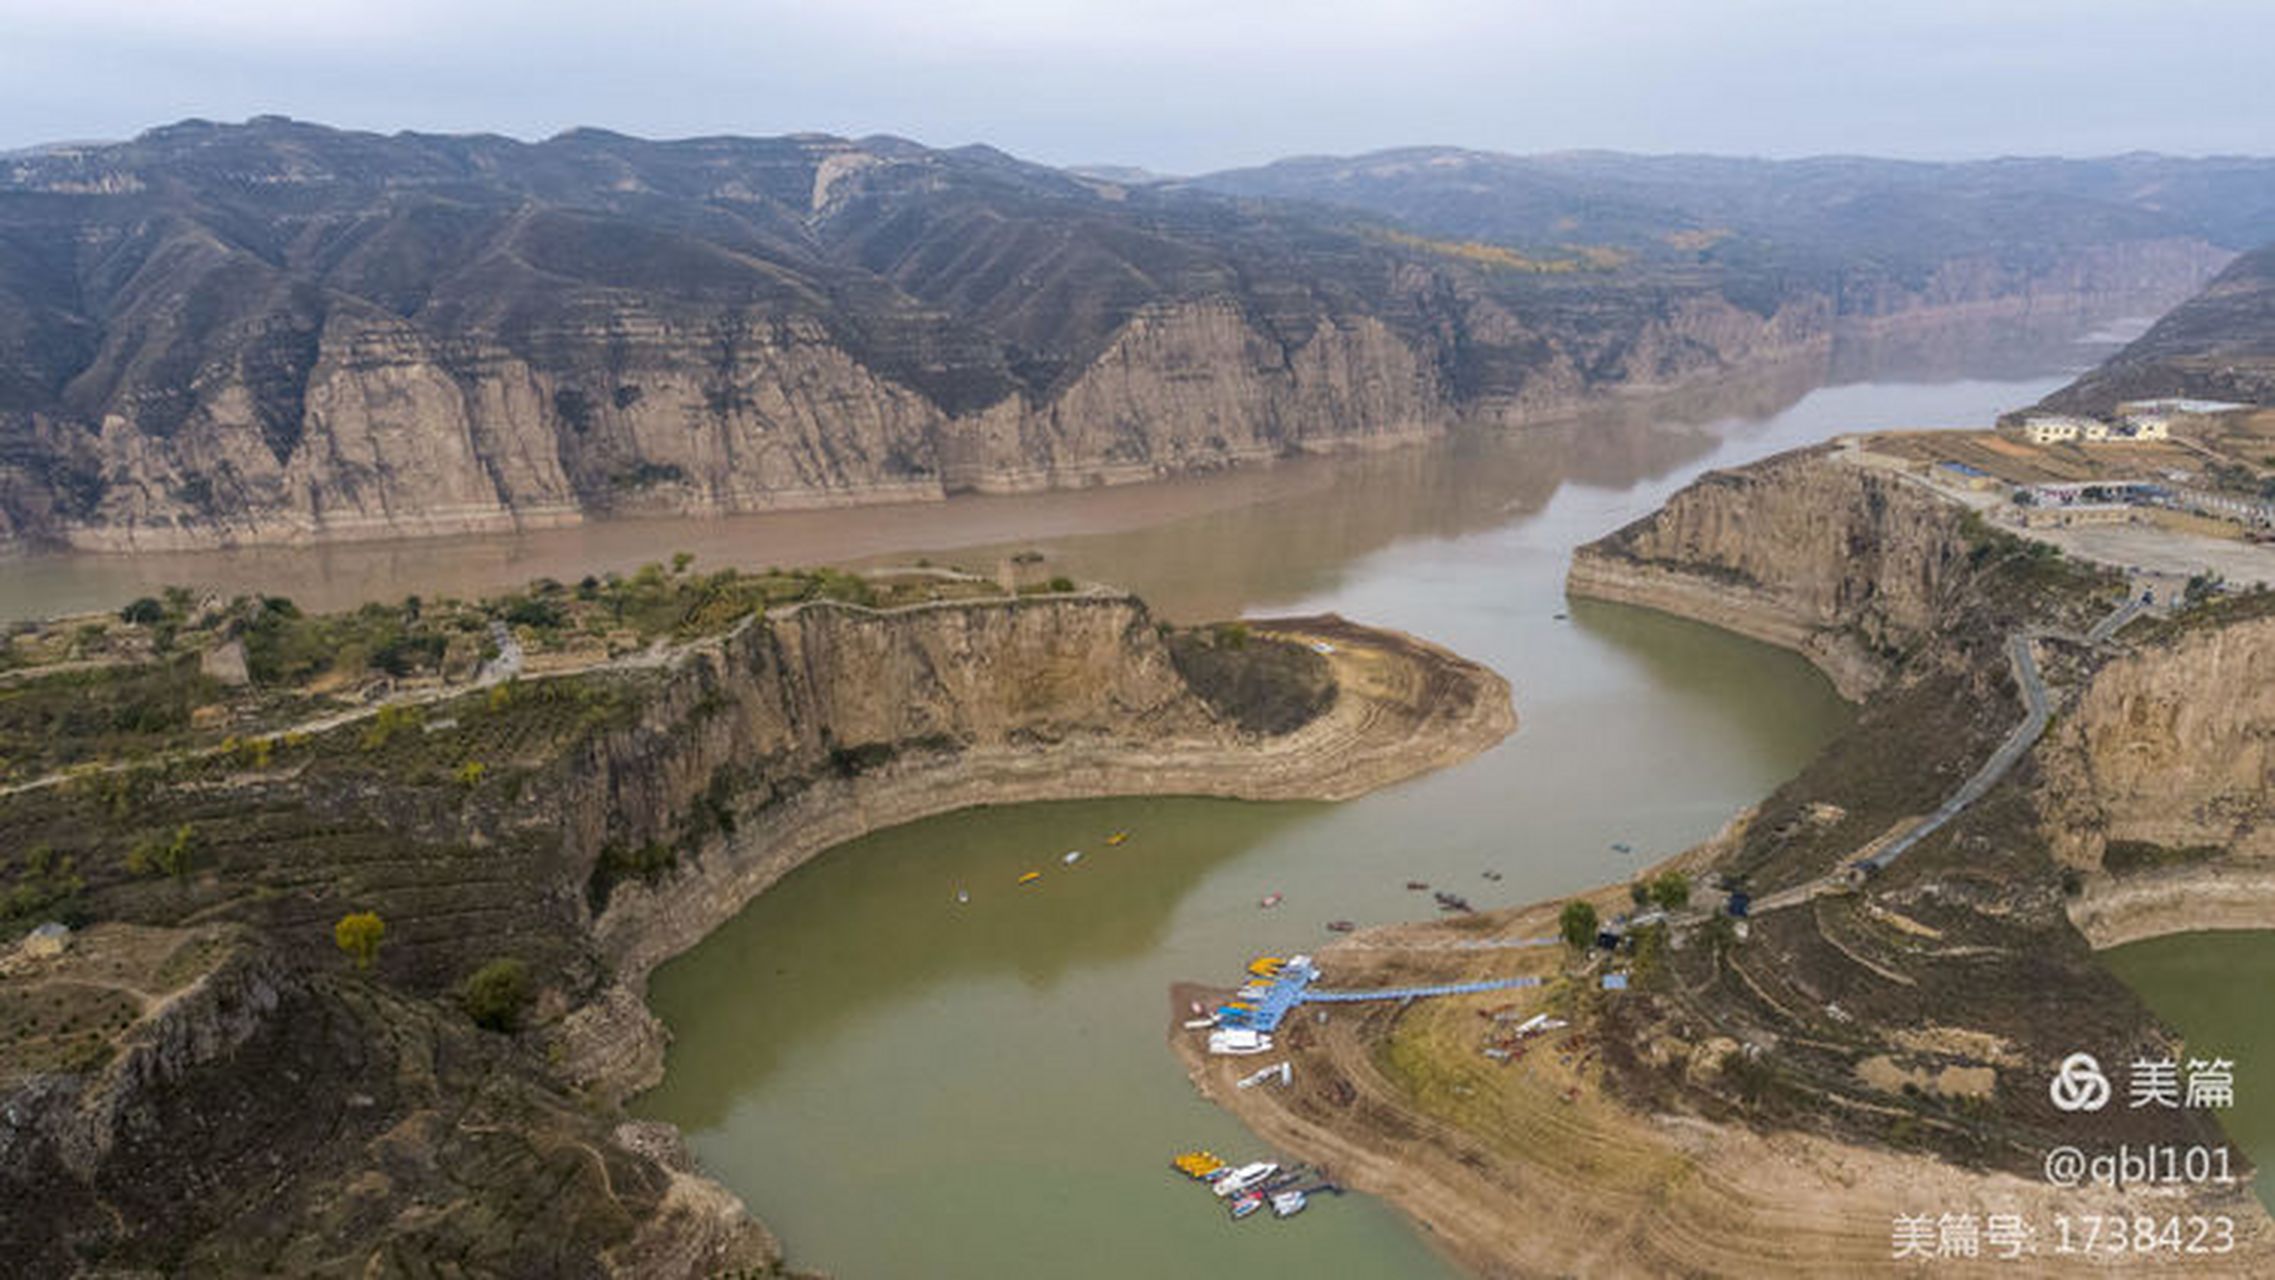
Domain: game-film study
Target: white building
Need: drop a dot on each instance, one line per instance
(2054, 428)
(2149, 426)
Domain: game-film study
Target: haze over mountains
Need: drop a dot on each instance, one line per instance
(2218, 345)
(278, 331)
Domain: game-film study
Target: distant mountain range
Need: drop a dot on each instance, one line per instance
(277, 331)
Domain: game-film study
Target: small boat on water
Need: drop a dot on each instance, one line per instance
(1341, 926)
(1287, 1204)
(1492, 875)
(1451, 901)
(1269, 900)
(1244, 1205)
(1197, 1165)
(963, 895)
(1266, 966)
(1244, 1178)
(1031, 877)
(1117, 838)
(1618, 846)
(1071, 857)
(1200, 1024)
(1417, 885)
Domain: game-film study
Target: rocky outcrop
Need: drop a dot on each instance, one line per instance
(262, 1119)
(1845, 566)
(2159, 786)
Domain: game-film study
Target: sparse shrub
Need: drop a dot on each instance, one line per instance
(1577, 924)
(359, 935)
(496, 994)
(144, 612)
(470, 773)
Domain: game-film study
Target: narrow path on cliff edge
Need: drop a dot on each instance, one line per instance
(2038, 710)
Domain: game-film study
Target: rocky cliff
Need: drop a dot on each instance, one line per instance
(235, 1098)
(1845, 566)
(2160, 781)
(277, 332)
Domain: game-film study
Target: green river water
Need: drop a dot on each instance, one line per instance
(905, 1087)
(2212, 987)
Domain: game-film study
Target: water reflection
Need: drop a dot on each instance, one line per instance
(1468, 483)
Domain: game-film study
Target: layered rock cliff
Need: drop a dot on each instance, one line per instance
(1846, 566)
(2161, 781)
(277, 332)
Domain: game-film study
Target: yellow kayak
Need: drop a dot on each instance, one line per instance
(1031, 877)
(1117, 837)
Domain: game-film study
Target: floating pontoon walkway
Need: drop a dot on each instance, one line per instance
(1293, 987)
(1411, 993)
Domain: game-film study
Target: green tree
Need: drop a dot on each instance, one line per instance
(1062, 585)
(1578, 924)
(171, 856)
(680, 560)
(497, 993)
(1671, 891)
(359, 934)
(144, 612)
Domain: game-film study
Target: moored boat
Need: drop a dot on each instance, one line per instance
(1287, 1204)
(1238, 1042)
(1244, 1178)
(1341, 926)
(1117, 838)
(1244, 1205)
(1031, 877)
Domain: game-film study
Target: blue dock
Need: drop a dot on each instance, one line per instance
(1292, 987)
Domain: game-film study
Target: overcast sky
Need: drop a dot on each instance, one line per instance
(1179, 85)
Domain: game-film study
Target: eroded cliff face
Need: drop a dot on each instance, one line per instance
(279, 333)
(2160, 783)
(1845, 566)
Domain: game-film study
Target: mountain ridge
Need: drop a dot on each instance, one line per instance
(280, 332)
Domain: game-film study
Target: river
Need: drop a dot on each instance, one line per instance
(902, 1086)
(2212, 988)
(905, 1087)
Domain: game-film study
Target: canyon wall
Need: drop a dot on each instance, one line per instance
(280, 333)
(1845, 566)
(2160, 783)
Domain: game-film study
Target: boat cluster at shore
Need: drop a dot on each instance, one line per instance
(1248, 1188)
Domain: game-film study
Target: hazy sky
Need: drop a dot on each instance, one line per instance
(1179, 85)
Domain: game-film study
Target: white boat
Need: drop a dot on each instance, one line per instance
(1200, 1024)
(1242, 1178)
(1071, 857)
(1238, 1041)
(1288, 1204)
